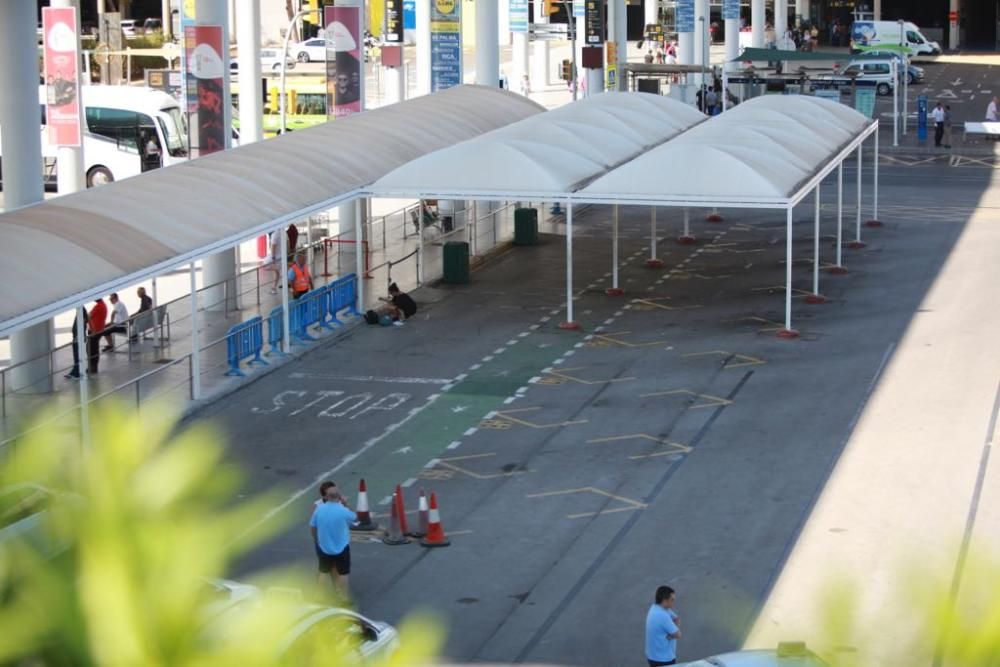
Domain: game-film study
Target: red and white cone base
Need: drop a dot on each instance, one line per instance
(654, 263)
(570, 326)
(873, 223)
(815, 299)
(365, 522)
(713, 217)
(788, 334)
(615, 291)
(837, 270)
(856, 245)
(423, 519)
(686, 239)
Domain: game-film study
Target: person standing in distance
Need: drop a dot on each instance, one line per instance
(662, 631)
(938, 115)
(330, 527)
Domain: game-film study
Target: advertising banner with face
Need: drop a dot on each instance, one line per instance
(62, 61)
(205, 82)
(344, 74)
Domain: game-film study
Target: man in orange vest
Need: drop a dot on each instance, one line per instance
(299, 277)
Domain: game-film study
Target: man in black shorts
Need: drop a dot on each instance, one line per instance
(330, 527)
(401, 306)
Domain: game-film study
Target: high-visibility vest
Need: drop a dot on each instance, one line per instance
(301, 282)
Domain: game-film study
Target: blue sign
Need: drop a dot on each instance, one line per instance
(730, 9)
(579, 9)
(864, 101)
(446, 45)
(409, 14)
(519, 15)
(922, 118)
(685, 15)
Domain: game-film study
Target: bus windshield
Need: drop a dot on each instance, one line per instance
(175, 131)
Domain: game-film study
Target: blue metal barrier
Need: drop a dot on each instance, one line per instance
(313, 308)
(343, 294)
(275, 331)
(243, 341)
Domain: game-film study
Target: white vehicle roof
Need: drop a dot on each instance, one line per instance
(122, 97)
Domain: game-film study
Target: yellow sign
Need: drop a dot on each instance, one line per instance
(445, 6)
(189, 9)
(611, 65)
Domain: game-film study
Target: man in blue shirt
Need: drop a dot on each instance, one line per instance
(330, 526)
(662, 631)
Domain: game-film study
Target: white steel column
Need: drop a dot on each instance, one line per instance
(780, 18)
(251, 95)
(69, 159)
(423, 47)
(570, 323)
(757, 21)
(195, 342)
(802, 9)
(359, 257)
(487, 44)
(395, 84)
(857, 242)
(22, 175)
(81, 369)
(651, 12)
(540, 57)
(686, 238)
(839, 267)
(732, 38)
(220, 268)
(816, 297)
(653, 262)
(953, 26)
(788, 331)
(420, 248)
(521, 58)
(878, 10)
(614, 290)
(286, 330)
(875, 222)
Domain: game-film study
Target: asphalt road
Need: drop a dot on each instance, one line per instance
(674, 440)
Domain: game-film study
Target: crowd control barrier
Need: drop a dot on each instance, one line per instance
(317, 307)
(243, 341)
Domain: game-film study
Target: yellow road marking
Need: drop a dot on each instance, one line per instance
(711, 401)
(672, 447)
(506, 414)
(449, 466)
(745, 360)
(631, 505)
(563, 375)
(650, 304)
(780, 288)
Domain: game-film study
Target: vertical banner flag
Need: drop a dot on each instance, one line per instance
(611, 65)
(409, 14)
(62, 62)
(519, 15)
(685, 15)
(446, 44)
(205, 78)
(393, 22)
(594, 21)
(579, 9)
(344, 86)
(730, 9)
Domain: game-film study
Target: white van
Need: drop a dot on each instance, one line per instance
(867, 35)
(121, 120)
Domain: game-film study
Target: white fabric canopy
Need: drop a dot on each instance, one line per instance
(108, 237)
(760, 152)
(547, 155)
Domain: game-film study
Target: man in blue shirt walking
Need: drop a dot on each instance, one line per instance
(330, 526)
(662, 631)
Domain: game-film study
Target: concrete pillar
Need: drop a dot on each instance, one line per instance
(878, 10)
(780, 18)
(702, 18)
(503, 22)
(618, 33)
(595, 81)
(757, 22)
(953, 27)
(488, 45)
(803, 10)
(423, 47)
(248, 40)
(221, 267)
(520, 60)
(651, 12)
(167, 20)
(732, 42)
(395, 84)
(540, 65)
(22, 175)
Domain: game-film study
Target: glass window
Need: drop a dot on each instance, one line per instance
(914, 37)
(117, 124)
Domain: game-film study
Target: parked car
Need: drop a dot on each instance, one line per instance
(308, 51)
(349, 631)
(270, 60)
(878, 71)
(914, 74)
(128, 27)
(788, 654)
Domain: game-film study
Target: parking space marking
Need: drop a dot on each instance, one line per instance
(565, 376)
(709, 400)
(654, 302)
(673, 448)
(772, 289)
(733, 359)
(771, 325)
(447, 468)
(506, 414)
(630, 505)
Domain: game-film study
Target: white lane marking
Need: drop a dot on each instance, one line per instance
(578, 345)
(455, 444)
(546, 318)
(459, 378)
(432, 463)
(490, 415)
(523, 334)
(609, 320)
(486, 359)
(535, 327)
(521, 390)
(475, 367)
(534, 379)
(470, 431)
(512, 341)
(410, 482)
(447, 386)
(509, 400)
(368, 378)
(557, 362)
(568, 353)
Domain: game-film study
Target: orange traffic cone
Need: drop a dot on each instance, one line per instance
(403, 525)
(435, 531)
(365, 522)
(422, 517)
(395, 534)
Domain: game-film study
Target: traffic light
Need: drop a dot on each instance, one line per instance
(273, 100)
(567, 70)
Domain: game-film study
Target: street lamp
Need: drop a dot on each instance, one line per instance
(704, 62)
(284, 60)
(905, 59)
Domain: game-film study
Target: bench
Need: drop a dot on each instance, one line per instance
(989, 129)
(142, 323)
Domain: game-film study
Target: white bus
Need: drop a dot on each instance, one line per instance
(121, 120)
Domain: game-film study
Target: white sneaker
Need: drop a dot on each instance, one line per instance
(397, 323)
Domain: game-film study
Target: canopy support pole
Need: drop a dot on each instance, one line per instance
(420, 249)
(816, 297)
(839, 268)
(82, 364)
(857, 242)
(875, 222)
(361, 270)
(614, 290)
(195, 344)
(788, 331)
(286, 329)
(570, 323)
(653, 262)
(686, 238)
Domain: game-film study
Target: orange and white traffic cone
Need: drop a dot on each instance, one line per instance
(395, 534)
(401, 508)
(421, 517)
(365, 522)
(435, 531)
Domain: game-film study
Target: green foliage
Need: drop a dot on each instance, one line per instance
(141, 518)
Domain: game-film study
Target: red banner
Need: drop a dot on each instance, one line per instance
(62, 62)
(205, 82)
(344, 74)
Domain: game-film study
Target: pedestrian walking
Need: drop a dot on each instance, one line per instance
(96, 321)
(75, 373)
(330, 527)
(991, 110)
(938, 115)
(662, 629)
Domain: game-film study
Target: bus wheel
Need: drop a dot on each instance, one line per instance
(99, 176)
